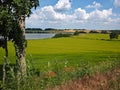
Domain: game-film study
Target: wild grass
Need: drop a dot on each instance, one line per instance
(59, 76)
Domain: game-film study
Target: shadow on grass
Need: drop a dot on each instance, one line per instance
(110, 39)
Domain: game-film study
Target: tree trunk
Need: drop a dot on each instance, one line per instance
(5, 60)
(6, 51)
(20, 47)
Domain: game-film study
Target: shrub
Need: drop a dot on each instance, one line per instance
(94, 31)
(114, 35)
(105, 32)
(82, 32)
(76, 33)
(61, 35)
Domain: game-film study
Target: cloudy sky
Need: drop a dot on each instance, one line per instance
(76, 14)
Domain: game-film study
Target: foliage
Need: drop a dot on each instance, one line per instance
(92, 31)
(114, 35)
(10, 13)
(82, 31)
(24, 83)
(115, 31)
(61, 35)
(59, 73)
(12, 26)
(76, 33)
(5, 22)
(105, 32)
(49, 29)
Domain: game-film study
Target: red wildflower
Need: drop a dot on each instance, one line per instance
(51, 74)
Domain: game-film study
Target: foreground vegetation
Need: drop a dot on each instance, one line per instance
(61, 59)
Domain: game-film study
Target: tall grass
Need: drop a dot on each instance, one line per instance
(58, 73)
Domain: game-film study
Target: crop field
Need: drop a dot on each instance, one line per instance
(88, 48)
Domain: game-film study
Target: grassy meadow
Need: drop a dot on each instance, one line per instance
(85, 48)
(55, 61)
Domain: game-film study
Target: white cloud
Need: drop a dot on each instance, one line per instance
(62, 5)
(117, 3)
(48, 16)
(100, 15)
(80, 14)
(94, 5)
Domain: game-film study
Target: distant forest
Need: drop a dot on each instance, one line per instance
(53, 30)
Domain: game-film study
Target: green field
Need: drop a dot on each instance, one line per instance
(58, 60)
(89, 48)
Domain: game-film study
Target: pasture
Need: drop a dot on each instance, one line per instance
(85, 48)
(57, 61)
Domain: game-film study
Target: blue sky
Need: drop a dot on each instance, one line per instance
(76, 14)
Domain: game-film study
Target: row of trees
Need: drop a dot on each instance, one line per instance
(113, 34)
(12, 27)
(46, 29)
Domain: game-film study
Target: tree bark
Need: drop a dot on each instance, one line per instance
(6, 51)
(21, 49)
(5, 59)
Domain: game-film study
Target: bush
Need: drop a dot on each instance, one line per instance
(105, 32)
(61, 35)
(82, 32)
(114, 35)
(76, 33)
(94, 31)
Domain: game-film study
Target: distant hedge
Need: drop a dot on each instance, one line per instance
(114, 35)
(61, 35)
(93, 31)
(76, 33)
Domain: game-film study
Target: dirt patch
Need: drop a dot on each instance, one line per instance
(100, 81)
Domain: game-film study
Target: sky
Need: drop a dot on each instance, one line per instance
(76, 14)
